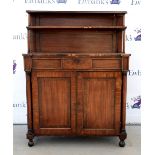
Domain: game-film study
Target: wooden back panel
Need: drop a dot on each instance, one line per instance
(74, 41)
(73, 18)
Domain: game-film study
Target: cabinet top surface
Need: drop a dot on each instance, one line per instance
(90, 12)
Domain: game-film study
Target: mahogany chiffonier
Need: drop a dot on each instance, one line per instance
(76, 74)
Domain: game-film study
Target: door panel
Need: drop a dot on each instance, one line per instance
(54, 107)
(99, 103)
(54, 102)
(99, 96)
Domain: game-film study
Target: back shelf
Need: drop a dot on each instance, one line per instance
(77, 27)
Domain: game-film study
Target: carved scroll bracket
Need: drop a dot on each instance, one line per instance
(27, 63)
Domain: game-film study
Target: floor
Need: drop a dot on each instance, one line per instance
(76, 145)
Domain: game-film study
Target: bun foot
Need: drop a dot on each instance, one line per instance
(30, 143)
(122, 137)
(121, 143)
(30, 136)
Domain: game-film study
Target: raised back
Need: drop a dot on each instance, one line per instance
(76, 32)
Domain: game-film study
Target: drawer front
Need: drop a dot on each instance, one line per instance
(106, 63)
(46, 63)
(77, 63)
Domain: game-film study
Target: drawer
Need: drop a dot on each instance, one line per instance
(107, 63)
(77, 63)
(46, 63)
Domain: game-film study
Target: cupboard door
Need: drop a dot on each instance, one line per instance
(53, 97)
(99, 103)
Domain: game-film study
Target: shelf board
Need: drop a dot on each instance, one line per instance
(79, 12)
(78, 54)
(78, 27)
